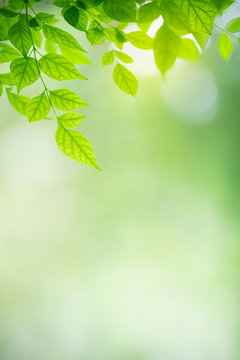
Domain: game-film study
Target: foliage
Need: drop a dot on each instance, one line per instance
(23, 28)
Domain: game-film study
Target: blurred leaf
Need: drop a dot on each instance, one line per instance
(125, 80)
(225, 46)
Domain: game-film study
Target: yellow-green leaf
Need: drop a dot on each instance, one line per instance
(18, 102)
(58, 67)
(125, 80)
(64, 99)
(71, 120)
(108, 58)
(75, 56)
(61, 37)
(188, 50)
(123, 57)
(8, 53)
(38, 108)
(20, 37)
(75, 145)
(166, 48)
(225, 46)
(200, 13)
(25, 71)
(140, 40)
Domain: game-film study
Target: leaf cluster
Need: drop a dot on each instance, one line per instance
(35, 47)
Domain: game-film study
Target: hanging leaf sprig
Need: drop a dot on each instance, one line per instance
(33, 45)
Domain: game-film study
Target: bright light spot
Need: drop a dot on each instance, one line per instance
(144, 64)
(191, 91)
(155, 26)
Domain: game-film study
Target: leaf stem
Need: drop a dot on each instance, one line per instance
(34, 50)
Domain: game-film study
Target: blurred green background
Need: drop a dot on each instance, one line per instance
(140, 261)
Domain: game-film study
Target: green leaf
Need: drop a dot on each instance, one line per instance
(225, 46)
(37, 38)
(38, 108)
(8, 13)
(34, 24)
(108, 58)
(18, 102)
(166, 48)
(83, 21)
(175, 18)
(7, 79)
(121, 10)
(75, 56)
(8, 53)
(223, 4)
(188, 50)
(71, 15)
(57, 67)
(124, 57)
(50, 47)
(20, 37)
(5, 24)
(65, 100)
(76, 17)
(60, 3)
(140, 40)
(61, 37)
(108, 19)
(234, 25)
(125, 80)
(95, 36)
(25, 72)
(115, 35)
(46, 18)
(75, 145)
(200, 13)
(202, 39)
(71, 120)
(148, 13)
